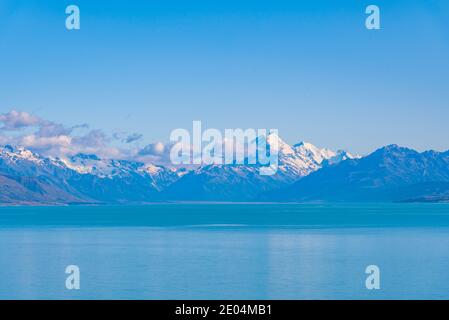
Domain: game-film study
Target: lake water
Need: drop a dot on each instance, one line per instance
(225, 251)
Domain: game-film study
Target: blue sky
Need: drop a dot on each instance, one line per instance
(308, 68)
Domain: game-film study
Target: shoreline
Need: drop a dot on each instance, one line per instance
(143, 204)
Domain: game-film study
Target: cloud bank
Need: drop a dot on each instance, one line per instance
(57, 140)
(53, 139)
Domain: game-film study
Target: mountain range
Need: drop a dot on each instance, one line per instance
(306, 173)
(391, 173)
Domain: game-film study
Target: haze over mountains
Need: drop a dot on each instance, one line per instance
(306, 173)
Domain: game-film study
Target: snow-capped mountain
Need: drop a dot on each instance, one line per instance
(111, 169)
(244, 182)
(391, 173)
(29, 177)
(26, 177)
(303, 158)
(15, 155)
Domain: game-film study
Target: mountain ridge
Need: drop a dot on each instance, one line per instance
(305, 173)
(390, 173)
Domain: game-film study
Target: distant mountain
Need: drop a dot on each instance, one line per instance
(118, 181)
(26, 177)
(391, 173)
(305, 173)
(244, 183)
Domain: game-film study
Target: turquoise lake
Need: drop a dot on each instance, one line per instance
(225, 251)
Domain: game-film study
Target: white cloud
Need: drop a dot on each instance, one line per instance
(54, 139)
(15, 120)
(153, 149)
(45, 142)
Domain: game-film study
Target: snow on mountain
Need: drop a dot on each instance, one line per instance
(102, 168)
(159, 176)
(303, 158)
(162, 176)
(243, 182)
(12, 154)
(26, 177)
(310, 151)
(391, 173)
(86, 178)
(341, 155)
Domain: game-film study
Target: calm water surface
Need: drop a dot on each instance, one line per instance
(219, 251)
